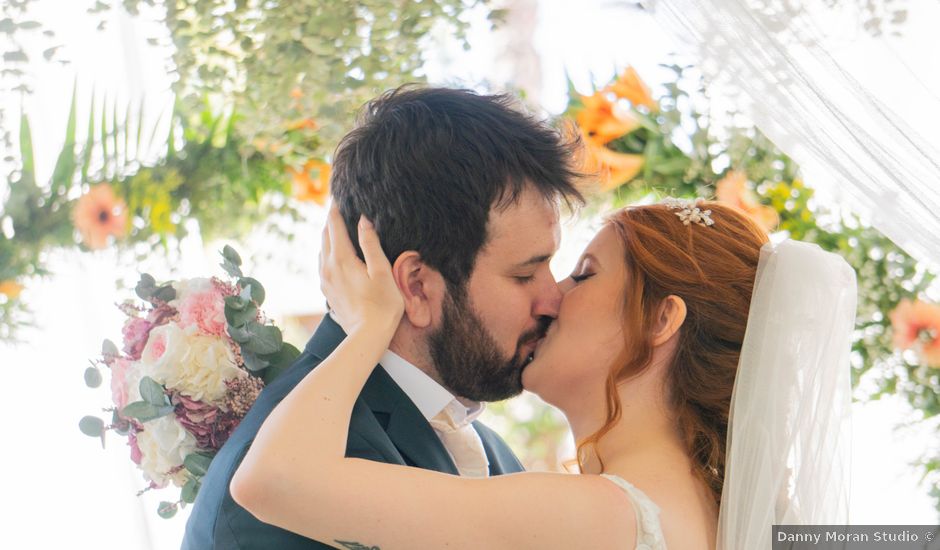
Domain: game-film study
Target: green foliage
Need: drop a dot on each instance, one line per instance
(278, 62)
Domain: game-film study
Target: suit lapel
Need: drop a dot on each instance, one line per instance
(407, 428)
(501, 460)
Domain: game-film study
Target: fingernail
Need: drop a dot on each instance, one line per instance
(364, 222)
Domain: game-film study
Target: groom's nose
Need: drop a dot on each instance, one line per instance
(548, 300)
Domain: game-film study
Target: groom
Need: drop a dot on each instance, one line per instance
(464, 191)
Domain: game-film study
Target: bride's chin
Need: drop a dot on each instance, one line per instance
(530, 376)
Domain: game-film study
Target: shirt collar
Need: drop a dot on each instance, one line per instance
(428, 396)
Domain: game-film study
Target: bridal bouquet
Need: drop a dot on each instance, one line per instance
(195, 356)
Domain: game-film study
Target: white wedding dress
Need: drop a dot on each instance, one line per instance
(649, 534)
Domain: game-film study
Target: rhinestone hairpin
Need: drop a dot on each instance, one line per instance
(689, 211)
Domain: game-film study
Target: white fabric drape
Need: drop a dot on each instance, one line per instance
(857, 113)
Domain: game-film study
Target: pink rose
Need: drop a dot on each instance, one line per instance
(135, 331)
(206, 310)
(119, 382)
(136, 455)
(156, 346)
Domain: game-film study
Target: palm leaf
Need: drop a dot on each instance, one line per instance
(65, 165)
(89, 140)
(28, 172)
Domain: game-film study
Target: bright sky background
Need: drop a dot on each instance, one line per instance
(63, 490)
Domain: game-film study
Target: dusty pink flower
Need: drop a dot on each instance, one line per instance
(161, 315)
(135, 331)
(205, 310)
(210, 425)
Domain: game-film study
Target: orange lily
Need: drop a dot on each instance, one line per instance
(600, 123)
(302, 124)
(312, 182)
(631, 87)
(11, 289)
(611, 168)
(732, 190)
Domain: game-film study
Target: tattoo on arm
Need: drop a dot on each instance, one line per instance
(349, 545)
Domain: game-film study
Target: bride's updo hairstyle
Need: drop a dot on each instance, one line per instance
(712, 268)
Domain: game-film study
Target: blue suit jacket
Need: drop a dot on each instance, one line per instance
(385, 426)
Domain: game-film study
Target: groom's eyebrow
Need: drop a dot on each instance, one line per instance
(535, 260)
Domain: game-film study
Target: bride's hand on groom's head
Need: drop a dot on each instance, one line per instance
(361, 295)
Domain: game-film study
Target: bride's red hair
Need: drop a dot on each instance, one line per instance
(712, 269)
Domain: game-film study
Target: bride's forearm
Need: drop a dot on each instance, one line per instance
(308, 430)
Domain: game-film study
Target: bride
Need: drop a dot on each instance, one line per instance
(702, 369)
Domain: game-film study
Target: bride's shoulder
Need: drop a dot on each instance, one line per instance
(649, 531)
(587, 507)
(676, 508)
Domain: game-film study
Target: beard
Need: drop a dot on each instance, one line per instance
(467, 357)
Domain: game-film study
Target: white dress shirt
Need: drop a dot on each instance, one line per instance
(428, 396)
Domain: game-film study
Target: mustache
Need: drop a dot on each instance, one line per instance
(539, 331)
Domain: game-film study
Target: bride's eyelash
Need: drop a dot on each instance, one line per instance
(579, 278)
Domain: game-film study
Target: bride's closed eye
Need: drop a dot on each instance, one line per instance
(581, 277)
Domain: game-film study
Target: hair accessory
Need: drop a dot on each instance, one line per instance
(689, 211)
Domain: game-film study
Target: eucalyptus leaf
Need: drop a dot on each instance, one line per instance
(253, 362)
(190, 490)
(165, 293)
(145, 286)
(240, 334)
(197, 463)
(92, 426)
(257, 291)
(167, 510)
(143, 411)
(232, 269)
(109, 349)
(231, 256)
(265, 339)
(92, 377)
(241, 317)
(235, 303)
(284, 356)
(152, 392)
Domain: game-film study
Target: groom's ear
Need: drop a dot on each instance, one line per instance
(421, 286)
(671, 315)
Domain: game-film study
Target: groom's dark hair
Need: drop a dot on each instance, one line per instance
(426, 165)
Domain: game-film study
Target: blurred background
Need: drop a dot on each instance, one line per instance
(198, 123)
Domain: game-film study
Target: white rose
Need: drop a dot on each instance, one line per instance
(164, 445)
(186, 287)
(195, 364)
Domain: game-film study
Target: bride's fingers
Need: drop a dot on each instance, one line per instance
(340, 244)
(376, 261)
(324, 244)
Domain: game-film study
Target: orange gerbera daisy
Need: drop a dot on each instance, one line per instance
(11, 289)
(917, 326)
(733, 191)
(631, 87)
(312, 182)
(600, 123)
(99, 214)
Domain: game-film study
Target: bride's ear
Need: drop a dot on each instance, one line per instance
(421, 287)
(670, 317)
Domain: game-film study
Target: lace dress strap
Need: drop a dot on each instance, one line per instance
(649, 533)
